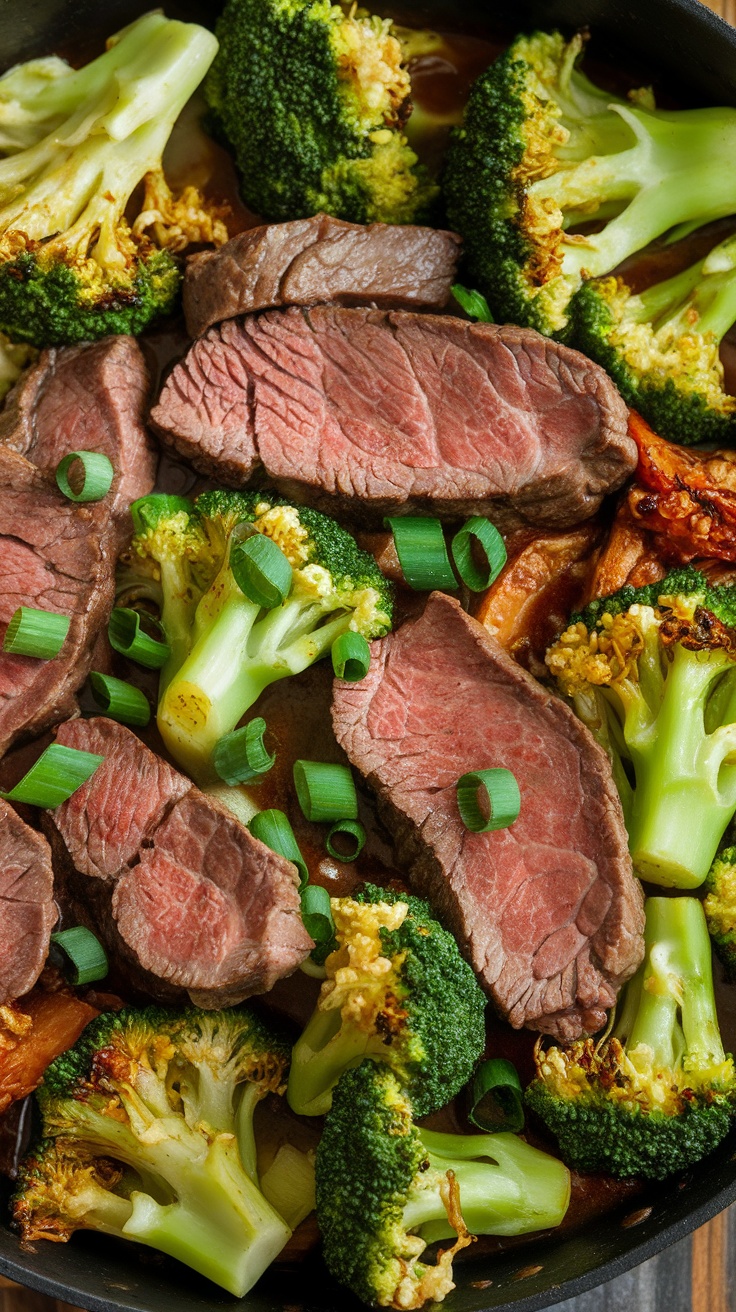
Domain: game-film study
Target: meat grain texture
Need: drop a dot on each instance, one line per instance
(386, 411)
(184, 896)
(27, 909)
(320, 259)
(548, 910)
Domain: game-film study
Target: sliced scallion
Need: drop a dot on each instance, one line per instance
(40, 633)
(326, 791)
(502, 796)
(273, 828)
(351, 657)
(54, 777)
(420, 546)
(96, 472)
(354, 832)
(489, 539)
(473, 303)
(127, 636)
(120, 700)
(242, 755)
(261, 570)
(85, 954)
(317, 913)
(497, 1100)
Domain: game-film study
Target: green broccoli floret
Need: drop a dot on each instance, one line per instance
(312, 99)
(720, 908)
(661, 346)
(542, 152)
(148, 1135)
(652, 672)
(657, 1093)
(386, 1189)
(397, 990)
(225, 648)
(72, 266)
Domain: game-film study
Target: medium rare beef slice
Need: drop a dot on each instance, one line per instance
(548, 910)
(54, 556)
(398, 411)
(86, 398)
(27, 909)
(181, 890)
(320, 259)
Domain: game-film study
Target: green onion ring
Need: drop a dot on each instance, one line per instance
(261, 570)
(97, 479)
(351, 657)
(317, 913)
(325, 791)
(54, 777)
(422, 552)
(502, 793)
(40, 633)
(241, 756)
(120, 700)
(85, 954)
(497, 1099)
(127, 637)
(355, 830)
(485, 533)
(273, 828)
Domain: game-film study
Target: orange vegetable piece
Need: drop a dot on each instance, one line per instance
(39, 1027)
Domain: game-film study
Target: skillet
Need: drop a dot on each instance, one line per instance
(694, 54)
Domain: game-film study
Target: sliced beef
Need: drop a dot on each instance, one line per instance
(56, 556)
(391, 411)
(86, 398)
(179, 889)
(548, 910)
(27, 909)
(309, 261)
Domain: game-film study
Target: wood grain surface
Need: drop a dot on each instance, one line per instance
(696, 1275)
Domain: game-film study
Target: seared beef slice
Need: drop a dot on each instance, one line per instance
(320, 259)
(86, 398)
(55, 556)
(180, 889)
(27, 909)
(399, 411)
(548, 910)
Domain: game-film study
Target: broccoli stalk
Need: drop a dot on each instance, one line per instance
(396, 990)
(148, 1125)
(652, 672)
(225, 648)
(386, 1188)
(661, 346)
(657, 1093)
(542, 152)
(71, 266)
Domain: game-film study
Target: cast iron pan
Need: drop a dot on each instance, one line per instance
(693, 53)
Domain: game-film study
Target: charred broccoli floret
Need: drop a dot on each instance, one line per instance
(396, 990)
(78, 142)
(652, 672)
(148, 1125)
(657, 1093)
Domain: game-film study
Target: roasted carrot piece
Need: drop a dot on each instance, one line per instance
(32, 1033)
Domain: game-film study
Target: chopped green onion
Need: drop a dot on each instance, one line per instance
(502, 795)
(351, 657)
(353, 829)
(420, 546)
(241, 756)
(325, 791)
(127, 637)
(261, 570)
(147, 511)
(317, 913)
(97, 475)
(86, 956)
(489, 538)
(120, 700)
(473, 303)
(40, 633)
(497, 1104)
(273, 829)
(54, 777)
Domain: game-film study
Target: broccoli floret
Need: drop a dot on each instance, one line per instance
(652, 672)
(225, 648)
(657, 1093)
(542, 151)
(386, 1189)
(72, 266)
(720, 908)
(312, 99)
(148, 1135)
(397, 990)
(661, 346)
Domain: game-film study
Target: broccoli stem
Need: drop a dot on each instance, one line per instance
(319, 1059)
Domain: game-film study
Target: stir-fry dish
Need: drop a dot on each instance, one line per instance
(368, 643)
